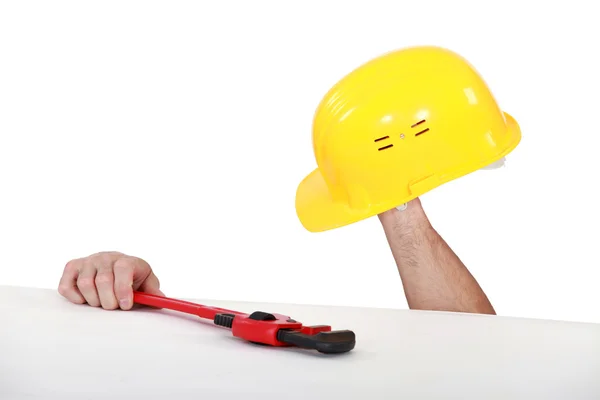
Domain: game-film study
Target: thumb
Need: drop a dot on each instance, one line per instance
(151, 285)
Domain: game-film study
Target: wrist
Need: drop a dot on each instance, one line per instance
(411, 220)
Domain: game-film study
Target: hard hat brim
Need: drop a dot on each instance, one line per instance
(318, 212)
(316, 209)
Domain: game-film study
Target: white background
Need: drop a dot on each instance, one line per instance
(178, 132)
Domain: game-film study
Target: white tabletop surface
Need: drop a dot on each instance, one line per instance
(51, 349)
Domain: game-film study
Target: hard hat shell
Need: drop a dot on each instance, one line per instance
(395, 128)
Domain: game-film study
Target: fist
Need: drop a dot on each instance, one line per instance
(107, 280)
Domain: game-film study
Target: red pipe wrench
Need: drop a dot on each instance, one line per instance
(260, 327)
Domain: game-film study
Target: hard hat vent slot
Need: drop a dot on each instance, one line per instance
(384, 147)
(422, 132)
(417, 124)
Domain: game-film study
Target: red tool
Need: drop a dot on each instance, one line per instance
(260, 327)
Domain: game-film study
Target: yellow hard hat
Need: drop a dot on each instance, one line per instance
(395, 128)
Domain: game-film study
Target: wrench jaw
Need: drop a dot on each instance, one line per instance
(282, 331)
(327, 342)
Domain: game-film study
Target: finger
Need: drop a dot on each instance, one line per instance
(67, 287)
(124, 269)
(105, 284)
(86, 282)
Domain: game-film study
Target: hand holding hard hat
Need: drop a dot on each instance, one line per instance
(395, 128)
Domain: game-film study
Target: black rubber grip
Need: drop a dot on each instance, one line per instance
(225, 320)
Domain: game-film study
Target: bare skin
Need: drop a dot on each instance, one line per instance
(107, 280)
(433, 276)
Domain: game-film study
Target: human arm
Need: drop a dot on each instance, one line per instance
(433, 276)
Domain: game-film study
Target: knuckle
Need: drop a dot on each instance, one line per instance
(70, 266)
(95, 259)
(104, 278)
(124, 263)
(86, 283)
(107, 255)
(64, 290)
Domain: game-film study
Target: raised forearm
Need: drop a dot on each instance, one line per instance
(433, 276)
